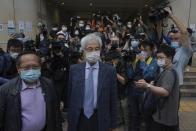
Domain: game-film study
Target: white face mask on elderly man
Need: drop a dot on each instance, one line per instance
(92, 57)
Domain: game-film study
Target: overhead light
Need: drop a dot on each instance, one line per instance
(62, 3)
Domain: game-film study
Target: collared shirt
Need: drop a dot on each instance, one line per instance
(95, 79)
(180, 61)
(33, 108)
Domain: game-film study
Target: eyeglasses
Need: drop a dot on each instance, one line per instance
(160, 58)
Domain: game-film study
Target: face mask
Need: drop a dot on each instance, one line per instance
(161, 63)
(129, 26)
(31, 75)
(41, 38)
(93, 57)
(81, 25)
(76, 32)
(54, 29)
(64, 29)
(87, 28)
(134, 43)
(61, 40)
(144, 54)
(175, 44)
(14, 55)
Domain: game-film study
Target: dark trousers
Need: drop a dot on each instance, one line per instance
(135, 112)
(160, 127)
(86, 124)
(148, 122)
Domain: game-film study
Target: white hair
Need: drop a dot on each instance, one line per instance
(93, 37)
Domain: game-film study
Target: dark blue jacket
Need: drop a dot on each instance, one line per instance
(134, 74)
(150, 70)
(106, 96)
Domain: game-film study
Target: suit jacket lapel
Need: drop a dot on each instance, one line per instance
(81, 76)
(101, 77)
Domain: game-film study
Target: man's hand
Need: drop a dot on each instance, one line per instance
(168, 10)
(141, 84)
(141, 57)
(61, 106)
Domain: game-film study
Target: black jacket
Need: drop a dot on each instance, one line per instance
(10, 106)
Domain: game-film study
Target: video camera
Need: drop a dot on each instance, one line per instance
(129, 55)
(29, 45)
(158, 14)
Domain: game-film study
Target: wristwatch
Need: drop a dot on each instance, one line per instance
(148, 86)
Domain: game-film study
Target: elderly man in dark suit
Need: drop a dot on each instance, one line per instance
(92, 91)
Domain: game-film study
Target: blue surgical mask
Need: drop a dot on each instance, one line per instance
(134, 43)
(31, 75)
(161, 63)
(175, 44)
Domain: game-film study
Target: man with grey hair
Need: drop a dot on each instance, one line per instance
(92, 91)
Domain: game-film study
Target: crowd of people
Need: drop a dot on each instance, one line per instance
(105, 73)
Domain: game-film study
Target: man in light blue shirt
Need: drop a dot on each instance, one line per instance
(182, 43)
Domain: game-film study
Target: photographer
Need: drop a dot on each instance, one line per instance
(53, 32)
(4, 66)
(132, 44)
(148, 62)
(44, 46)
(178, 39)
(182, 44)
(113, 58)
(135, 95)
(59, 67)
(14, 48)
(75, 41)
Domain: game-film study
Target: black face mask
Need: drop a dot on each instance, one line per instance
(57, 53)
(61, 40)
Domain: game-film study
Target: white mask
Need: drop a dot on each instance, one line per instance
(87, 28)
(41, 37)
(64, 29)
(76, 32)
(54, 29)
(161, 63)
(93, 57)
(129, 25)
(14, 55)
(81, 25)
(144, 54)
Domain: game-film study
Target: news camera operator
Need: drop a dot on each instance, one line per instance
(133, 73)
(59, 67)
(179, 38)
(75, 41)
(182, 44)
(113, 58)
